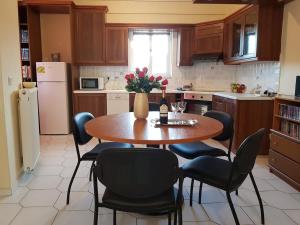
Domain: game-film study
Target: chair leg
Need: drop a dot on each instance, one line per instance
(200, 192)
(175, 217)
(180, 214)
(71, 182)
(232, 208)
(259, 199)
(91, 170)
(164, 147)
(191, 192)
(96, 215)
(169, 218)
(115, 217)
(229, 158)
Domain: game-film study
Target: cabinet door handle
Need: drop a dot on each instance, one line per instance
(273, 160)
(275, 143)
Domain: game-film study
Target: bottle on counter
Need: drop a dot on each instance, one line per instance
(163, 108)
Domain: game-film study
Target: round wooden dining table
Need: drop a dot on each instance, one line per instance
(126, 128)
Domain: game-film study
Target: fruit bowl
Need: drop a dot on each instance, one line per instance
(29, 84)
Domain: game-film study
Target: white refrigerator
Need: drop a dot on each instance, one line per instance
(53, 97)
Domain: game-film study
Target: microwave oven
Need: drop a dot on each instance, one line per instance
(92, 83)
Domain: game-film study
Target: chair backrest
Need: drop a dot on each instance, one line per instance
(227, 122)
(153, 106)
(79, 133)
(246, 155)
(137, 173)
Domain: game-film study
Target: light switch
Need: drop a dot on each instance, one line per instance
(10, 80)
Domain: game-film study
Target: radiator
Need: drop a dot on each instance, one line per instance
(29, 127)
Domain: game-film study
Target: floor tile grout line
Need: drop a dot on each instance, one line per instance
(16, 214)
(289, 216)
(247, 215)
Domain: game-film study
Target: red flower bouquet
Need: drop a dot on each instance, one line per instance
(141, 82)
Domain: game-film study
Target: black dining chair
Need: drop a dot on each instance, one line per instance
(193, 150)
(139, 181)
(227, 175)
(81, 138)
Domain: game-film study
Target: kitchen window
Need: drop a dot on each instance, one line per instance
(151, 48)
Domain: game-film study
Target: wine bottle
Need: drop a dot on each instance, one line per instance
(163, 108)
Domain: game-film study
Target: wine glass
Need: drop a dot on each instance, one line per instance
(181, 106)
(174, 108)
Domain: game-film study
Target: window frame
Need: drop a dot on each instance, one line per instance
(152, 32)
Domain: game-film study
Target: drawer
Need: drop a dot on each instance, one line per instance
(219, 106)
(285, 146)
(285, 165)
(117, 96)
(218, 98)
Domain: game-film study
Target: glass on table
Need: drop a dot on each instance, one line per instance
(181, 106)
(174, 108)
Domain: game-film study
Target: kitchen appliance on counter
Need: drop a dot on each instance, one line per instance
(29, 127)
(53, 97)
(198, 103)
(187, 87)
(92, 83)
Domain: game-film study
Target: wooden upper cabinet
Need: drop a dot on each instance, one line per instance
(116, 46)
(253, 34)
(209, 38)
(90, 35)
(185, 46)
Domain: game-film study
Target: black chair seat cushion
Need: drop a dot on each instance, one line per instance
(195, 149)
(210, 170)
(159, 203)
(92, 155)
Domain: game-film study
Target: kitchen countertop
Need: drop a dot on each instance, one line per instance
(154, 91)
(242, 96)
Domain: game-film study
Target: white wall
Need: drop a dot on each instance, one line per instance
(10, 70)
(290, 48)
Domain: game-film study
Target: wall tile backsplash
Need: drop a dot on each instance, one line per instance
(203, 75)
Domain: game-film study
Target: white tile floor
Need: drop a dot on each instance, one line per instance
(40, 197)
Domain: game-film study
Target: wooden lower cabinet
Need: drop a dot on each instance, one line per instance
(249, 116)
(154, 97)
(284, 158)
(88, 102)
(285, 168)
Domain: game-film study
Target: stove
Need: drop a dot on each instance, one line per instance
(198, 102)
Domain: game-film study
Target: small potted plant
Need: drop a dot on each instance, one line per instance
(141, 83)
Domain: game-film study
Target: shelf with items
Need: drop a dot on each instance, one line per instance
(24, 35)
(287, 116)
(284, 158)
(30, 40)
